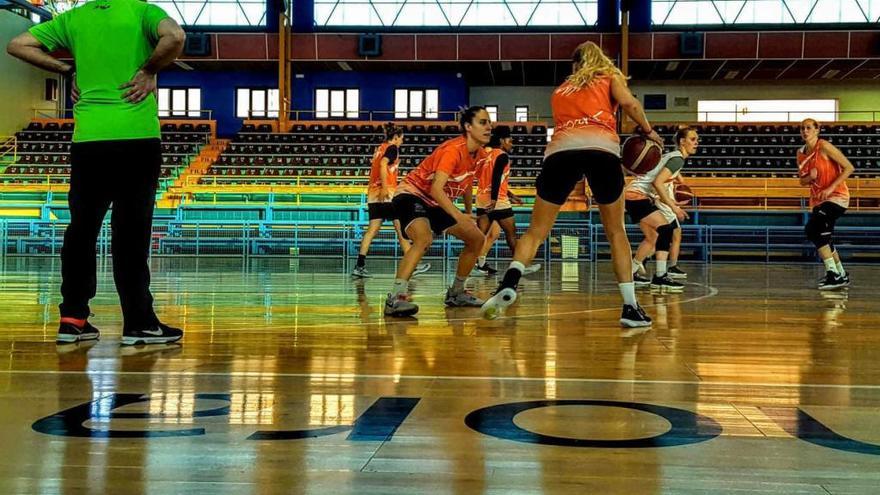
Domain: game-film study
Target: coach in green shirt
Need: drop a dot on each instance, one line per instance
(118, 47)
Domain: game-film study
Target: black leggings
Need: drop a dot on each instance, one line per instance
(126, 175)
(820, 226)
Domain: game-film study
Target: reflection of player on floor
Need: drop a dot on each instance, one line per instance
(825, 169)
(494, 199)
(424, 205)
(650, 202)
(383, 183)
(585, 144)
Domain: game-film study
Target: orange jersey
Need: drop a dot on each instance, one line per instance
(451, 157)
(585, 118)
(385, 150)
(827, 172)
(485, 173)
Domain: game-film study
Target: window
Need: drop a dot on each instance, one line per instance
(492, 110)
(766, 110)
(256, 103)
(416, 103)
(180, 102)
(337, 103)
(215, 12)
(196, 12)
(459, 13)
(522, 113)
(723, 12)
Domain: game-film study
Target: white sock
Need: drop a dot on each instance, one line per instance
(637, 266)
(661, 268)
(830, 265)
(400, 287)
(840, 269)
(516, 264)
(481, 261)
(628, 292)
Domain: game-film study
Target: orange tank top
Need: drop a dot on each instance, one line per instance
(585, 118)
(451, 157)
(827, 171)
(375, 187)
(485, 171)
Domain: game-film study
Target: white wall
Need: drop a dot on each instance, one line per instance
(21, 85)
(857, 98)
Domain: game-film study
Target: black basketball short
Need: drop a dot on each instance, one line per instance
(675, 224)
(639, 209)
(381, 211)
(408, 207)
(561, 171)
(495, 215)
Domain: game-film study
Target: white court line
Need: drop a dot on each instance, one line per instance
(259, 374)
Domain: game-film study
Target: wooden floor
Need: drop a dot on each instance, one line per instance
(289, 380)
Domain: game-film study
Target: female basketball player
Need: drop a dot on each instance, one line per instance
(824, 168)
(650, 202)
(585, 144)
(424, 205)
(494, 200)
(383, 183)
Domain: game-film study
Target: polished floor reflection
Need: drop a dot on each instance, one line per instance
(289, 380)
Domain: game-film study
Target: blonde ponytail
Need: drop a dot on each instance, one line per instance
(590, 64)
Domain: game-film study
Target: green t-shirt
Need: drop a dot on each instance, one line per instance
(674, 164)
(110, 41)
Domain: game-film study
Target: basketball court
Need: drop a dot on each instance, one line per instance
(289, 379)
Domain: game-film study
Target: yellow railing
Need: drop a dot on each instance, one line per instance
(8, 149)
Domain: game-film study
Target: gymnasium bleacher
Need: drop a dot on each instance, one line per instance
(339, 153)
(43, 151)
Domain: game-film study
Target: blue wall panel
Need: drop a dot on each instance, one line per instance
(376, 90)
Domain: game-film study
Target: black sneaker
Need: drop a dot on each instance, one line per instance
(156, 334)
(832, 281)
(675, 272)
(640, 281)
(633, 317)
(666, 284)
(483, 270)
(69, 333)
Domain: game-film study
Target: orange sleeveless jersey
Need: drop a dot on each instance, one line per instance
(585, 118)
(375, 186)
(827, 172)
(485, 169)
(451, 157)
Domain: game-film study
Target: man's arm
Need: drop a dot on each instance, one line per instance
(169, 47)
(29, 49)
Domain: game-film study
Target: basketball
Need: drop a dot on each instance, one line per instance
(684, 195)
(640, 154)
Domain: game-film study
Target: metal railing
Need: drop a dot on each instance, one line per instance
(570, 239)
(8, 150)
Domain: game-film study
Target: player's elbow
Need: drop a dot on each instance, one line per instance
(177, 37)
(15, 47)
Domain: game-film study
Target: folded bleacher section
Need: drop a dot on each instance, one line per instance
(339, 154)
(770, 149)
(43, 151)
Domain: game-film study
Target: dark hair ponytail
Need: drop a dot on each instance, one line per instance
(681, 133)
(391, 131)
(468, 115)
